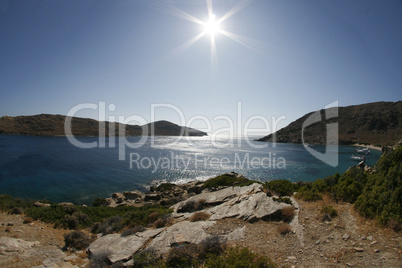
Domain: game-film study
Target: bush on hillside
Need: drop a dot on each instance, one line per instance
(308, 193)
(330, 211)
(185, 255)
(100, 259)
(381, 196)
(288, 213)
(227, 180)
(280, 187)
(146, 258)
(77, 240)
(200, 216)
(350, 185)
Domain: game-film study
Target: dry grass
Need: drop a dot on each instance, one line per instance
(284, 228)
(200, 216)
(27, 220)
(288, 213)
(162, 222)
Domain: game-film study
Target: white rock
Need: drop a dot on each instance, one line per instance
(182, 232)
(122, 248)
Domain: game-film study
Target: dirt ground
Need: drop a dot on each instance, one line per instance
(47, 250)
(347, 240)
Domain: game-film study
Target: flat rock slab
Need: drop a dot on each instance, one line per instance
(179, 233)
(248, 203)
(9, 244)
(121, 248)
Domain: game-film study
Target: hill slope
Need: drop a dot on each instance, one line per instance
(378, 123)
(53, 125)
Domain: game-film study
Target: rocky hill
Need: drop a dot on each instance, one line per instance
(292, 233)
(378, 123)
(53, 125)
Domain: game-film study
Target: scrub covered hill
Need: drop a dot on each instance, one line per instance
(53, 125)
(378, 123)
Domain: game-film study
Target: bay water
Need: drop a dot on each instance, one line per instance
(54, 169)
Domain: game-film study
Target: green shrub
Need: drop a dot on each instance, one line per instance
(99, 202)
(327, 184)
(285, 199)
(350, 185)
(165, 186)
(146, 259)
(185, 255)
(329, 210)
(308, 193)
(111, 225)
(212, 245)
(227, 180)
(381, 197)
(77, 240)
(281, 187)
(238, 257)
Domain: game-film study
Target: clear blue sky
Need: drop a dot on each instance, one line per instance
(296, 56)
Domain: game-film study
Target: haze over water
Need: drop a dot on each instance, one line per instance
(52, 168)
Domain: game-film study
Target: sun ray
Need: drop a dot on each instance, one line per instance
(235, 9)
(247, 42)
(212, 28)
(174, 11)
(180, 49)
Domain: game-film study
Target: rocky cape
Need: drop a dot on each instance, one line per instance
(247, 203)
(378, 123)
(53, 125)
(245, 216)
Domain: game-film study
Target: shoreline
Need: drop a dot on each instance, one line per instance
(370, 146)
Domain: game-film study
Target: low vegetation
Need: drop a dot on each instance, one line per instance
(100, 219)
(211, 252)
(165, 187)
(77, 240)
(285, 199)
(280, 187)
(288, 213)
(284, 228)
(330, 211)
(227, 180)
(200, 216)
(376, 195)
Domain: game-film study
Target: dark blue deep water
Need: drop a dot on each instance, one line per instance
(53, 168)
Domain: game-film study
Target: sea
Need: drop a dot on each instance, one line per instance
(78, 170)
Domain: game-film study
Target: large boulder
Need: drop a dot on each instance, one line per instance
(248, 203)
(9, 244)
(180, 233)
(121, 248)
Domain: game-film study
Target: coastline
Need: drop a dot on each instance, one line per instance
(370, 146)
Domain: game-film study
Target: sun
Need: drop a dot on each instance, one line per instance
(211, 26)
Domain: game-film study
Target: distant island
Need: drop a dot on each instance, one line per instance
(53, 125)
(378, 123)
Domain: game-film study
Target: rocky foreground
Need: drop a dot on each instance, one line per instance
(244, 216)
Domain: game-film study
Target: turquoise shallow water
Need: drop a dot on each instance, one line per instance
(53, 168)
